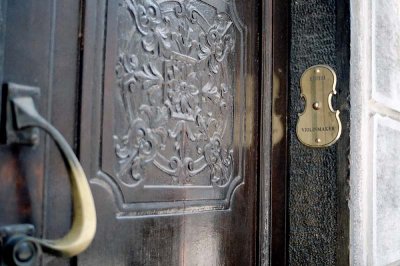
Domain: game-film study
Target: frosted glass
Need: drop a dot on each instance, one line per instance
(386, 52)
(386, 191)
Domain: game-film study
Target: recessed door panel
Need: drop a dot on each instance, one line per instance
(173, 107)
(169, 131)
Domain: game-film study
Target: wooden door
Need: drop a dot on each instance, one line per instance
(39, 46)
(161, 101)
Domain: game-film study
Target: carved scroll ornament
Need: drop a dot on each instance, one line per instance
(175, 94)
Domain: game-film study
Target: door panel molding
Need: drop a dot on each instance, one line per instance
(173, 108)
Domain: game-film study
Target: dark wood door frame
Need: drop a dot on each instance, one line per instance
(276, 112)
(273, 168)
(274, 46)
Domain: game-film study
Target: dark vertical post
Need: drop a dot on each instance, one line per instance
(279, 160)
(275, 66)
(3, 12)
(343, 152)
(318, 213)
(264, 226)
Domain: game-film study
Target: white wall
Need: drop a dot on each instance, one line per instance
(375, 132)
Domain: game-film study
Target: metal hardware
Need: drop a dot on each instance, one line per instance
(13, 135)
(316, 106)
(16, 248)
(319, 125)
(22, 117)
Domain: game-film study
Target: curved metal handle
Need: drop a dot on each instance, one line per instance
(84, 222)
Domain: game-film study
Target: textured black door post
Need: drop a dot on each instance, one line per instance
(318, 188)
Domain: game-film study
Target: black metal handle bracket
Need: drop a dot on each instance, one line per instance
(16, 247)
(11, 132)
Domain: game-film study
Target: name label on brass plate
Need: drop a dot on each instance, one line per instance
(319, 125)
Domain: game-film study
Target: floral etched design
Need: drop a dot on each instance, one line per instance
(219, 159)
(216, 44)
(175, 98)
(182, 97)
(151, 24)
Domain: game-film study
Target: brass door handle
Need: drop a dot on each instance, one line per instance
(82, 232)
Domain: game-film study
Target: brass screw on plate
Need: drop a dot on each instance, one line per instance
(318, 140)
(316, 106)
